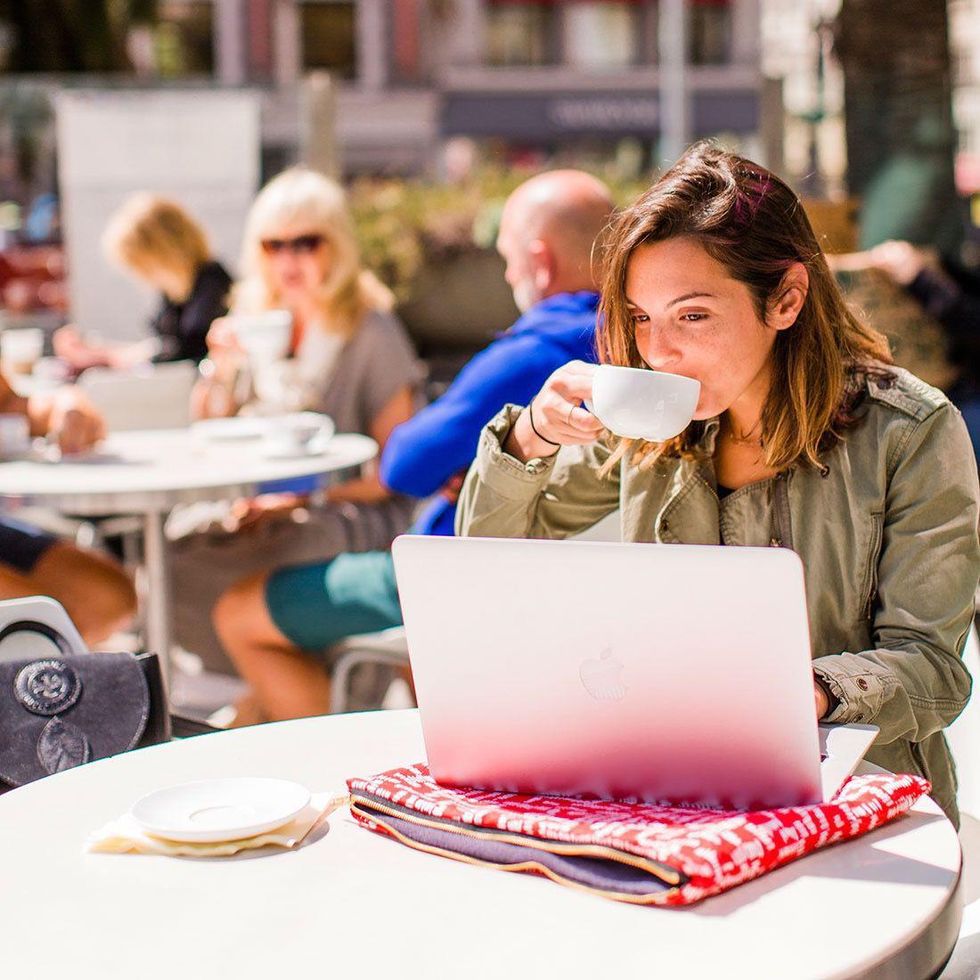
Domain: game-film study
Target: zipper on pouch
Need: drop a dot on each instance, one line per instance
(372, 808)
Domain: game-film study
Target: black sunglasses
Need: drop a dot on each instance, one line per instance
(301, 245)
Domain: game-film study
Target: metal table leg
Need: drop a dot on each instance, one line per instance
(157, 591)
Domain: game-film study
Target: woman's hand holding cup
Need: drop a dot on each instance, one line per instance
(214, 394)
(222, 341)
(555, 417)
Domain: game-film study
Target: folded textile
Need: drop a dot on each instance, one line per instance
(641, 853)
(125, 836)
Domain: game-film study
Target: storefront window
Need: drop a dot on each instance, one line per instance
(521, 33)
(182, 42)
(406, 38)
(710, 32)
(328, 36)
(601, 35)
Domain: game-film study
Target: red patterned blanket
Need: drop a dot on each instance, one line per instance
(633, 852)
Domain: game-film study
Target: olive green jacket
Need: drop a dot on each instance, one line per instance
(887, 533)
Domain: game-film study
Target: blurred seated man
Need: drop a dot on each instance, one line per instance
(95, 591)
(276, 625)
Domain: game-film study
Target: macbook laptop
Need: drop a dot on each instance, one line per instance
(626, 671)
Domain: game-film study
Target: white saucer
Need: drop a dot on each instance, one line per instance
(237, 428)
(211, 810)
(242, 428)
(316, 447)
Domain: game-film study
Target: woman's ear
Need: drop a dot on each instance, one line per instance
(789, 298)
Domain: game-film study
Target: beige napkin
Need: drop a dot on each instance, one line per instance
(125, 836)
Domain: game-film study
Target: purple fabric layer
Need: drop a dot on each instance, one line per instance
(596, 873)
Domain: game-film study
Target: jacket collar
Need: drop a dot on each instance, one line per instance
(559, 314)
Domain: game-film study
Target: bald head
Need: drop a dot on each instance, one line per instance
(547, 231)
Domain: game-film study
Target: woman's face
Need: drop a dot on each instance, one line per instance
(296, 262)
(692, 318)
(168, 281)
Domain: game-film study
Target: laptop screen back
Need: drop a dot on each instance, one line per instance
(628, 671)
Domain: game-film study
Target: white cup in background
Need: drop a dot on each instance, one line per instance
(51, 371)
(263, 336)
(298, 434)
(278, 387)
(641, 404)
(15, 435)
(21, 349)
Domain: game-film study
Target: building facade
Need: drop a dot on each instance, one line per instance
(584, 80)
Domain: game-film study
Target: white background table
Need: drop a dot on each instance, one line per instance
(355, 904)
(148, 473)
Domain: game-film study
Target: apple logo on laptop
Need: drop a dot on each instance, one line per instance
(602, 677)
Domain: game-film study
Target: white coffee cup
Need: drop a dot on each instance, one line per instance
(15, 435)
(20, 349)
(298, 434)
(263, 336)
(641, 404)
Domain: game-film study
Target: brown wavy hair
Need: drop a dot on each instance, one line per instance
(751, 222)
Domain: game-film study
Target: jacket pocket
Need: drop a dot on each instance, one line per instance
(870, 588)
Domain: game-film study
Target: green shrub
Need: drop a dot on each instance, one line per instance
(405, 223)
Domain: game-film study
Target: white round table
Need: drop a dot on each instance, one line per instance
(150, 472)
(356, 904)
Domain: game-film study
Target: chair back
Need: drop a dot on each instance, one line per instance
(37, 626)
(154, 396)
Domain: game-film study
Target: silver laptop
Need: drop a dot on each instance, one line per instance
(628, 671)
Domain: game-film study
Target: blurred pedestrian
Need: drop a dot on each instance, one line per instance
(155, 240)
(950, 294)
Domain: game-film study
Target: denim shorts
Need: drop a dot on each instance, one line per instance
(21, 545)
(315, 606)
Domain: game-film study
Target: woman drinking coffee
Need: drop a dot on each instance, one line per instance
(805, 436)
(349, 357)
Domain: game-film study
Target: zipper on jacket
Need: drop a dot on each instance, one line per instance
(782, 519)
(662, 872)
(877, 521)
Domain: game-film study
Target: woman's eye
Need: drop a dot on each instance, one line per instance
(694, 317)
(639, 318)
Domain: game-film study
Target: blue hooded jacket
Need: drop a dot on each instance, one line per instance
(425, 452)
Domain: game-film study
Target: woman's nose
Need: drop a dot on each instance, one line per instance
(286, 265)
(657, 350)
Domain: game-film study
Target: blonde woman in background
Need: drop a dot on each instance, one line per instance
(159, 243)
(350, 359)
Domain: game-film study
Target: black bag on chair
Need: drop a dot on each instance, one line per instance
(59, 711)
